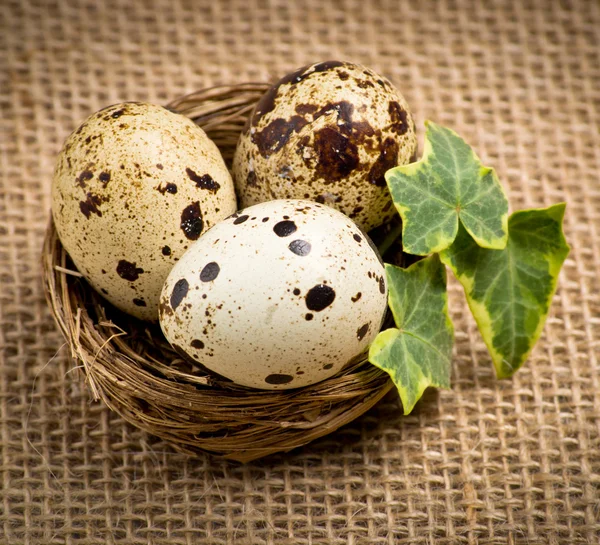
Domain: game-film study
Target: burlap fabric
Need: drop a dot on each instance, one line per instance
(490, 462)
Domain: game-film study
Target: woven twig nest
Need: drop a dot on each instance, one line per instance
(130, 366)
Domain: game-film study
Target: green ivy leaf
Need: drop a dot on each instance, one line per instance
(419, 353)
(509, 291)
(448, 183)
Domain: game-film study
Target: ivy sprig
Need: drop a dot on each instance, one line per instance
(454, 210)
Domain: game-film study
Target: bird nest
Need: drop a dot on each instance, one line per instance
(129, 365)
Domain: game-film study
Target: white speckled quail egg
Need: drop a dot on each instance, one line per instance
(280, 295)
(327, 132)
(133, 187)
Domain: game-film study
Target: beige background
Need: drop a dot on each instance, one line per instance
(490, 462)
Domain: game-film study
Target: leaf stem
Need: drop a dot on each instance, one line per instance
(389, 239)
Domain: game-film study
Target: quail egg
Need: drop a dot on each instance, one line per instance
(327, 132)
(133, 187)
(280, 295)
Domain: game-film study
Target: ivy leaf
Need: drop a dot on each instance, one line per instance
(419, 353)
(509, 291)
(448, 184)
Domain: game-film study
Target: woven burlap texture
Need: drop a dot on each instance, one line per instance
(490, 462)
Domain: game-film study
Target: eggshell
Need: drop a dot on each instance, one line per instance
(280, 295)
(326, 132)
(133, 187)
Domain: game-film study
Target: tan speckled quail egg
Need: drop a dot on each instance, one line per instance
(280, 295)
(327, 132)
(133, 187)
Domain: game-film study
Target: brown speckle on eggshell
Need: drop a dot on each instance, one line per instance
(326, 132)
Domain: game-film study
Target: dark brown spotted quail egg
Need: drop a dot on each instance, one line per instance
(327, 132)
(280, 295)
(133, 187)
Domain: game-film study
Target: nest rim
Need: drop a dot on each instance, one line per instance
(129, 365)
